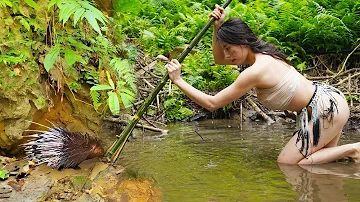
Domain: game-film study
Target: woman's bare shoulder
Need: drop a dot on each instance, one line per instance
(262, 65)
(268, 71)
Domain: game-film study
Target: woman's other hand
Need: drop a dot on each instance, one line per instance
(174, 70)
(219, 14)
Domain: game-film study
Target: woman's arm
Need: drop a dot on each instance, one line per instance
(218, 53)
(245, 81)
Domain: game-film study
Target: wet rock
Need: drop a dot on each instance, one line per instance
(33, 188)
(94, 181)
(89, 198)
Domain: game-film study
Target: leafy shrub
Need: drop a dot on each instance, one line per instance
(299, 26)
(175, 109)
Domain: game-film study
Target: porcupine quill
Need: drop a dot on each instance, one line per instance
(60, 148)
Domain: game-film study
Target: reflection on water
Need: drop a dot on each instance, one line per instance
(323, 182)
(233, 163)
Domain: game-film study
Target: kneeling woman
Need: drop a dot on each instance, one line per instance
(322, 109)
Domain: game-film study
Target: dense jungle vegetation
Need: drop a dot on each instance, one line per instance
(119, 53)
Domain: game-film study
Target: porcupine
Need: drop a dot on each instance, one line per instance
(60, 148)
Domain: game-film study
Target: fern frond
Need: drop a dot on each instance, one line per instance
(95, 98)
(79, 9)
(320, 9)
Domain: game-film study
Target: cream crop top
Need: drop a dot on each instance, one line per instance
(280, 96)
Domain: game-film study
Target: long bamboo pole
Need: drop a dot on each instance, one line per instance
(114, 151)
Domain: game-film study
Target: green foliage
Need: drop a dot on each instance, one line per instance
(74, 86)
(122, 92)
(354, 97)
(22, 13)
(3, 174)
(124, 71)
(298, 26)
(199, 72)
(175, 109)
(40, 102)
(32, 4)
(51, 57)
(71, 56)
(79, 9)
(81, 56)
(79, 53)
(163, 25)
(4, 3)
(85, 43)
(128, 7)
(95, 97)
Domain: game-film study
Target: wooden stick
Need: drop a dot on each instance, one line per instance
(258, 110)
(137, 125)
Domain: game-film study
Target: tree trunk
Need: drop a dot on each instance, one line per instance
(106, 6)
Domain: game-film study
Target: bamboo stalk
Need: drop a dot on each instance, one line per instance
(114, 151)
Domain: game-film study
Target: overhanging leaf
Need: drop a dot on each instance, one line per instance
(32, 4)
(92, 20)
(127, 100)
(51, 57)
(52, 3)
(113, 102)
(80, 9)
(78, 15)
(67, 10)
(71, 57)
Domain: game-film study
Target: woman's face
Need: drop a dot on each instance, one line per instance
(237, 54)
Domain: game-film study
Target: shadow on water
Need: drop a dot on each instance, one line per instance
(230, 162)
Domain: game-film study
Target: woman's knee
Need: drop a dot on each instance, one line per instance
(287, 159)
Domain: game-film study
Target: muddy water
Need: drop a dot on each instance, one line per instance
(230, 162)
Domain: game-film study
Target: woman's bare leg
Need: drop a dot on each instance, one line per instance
(326, 150)
(330, 154)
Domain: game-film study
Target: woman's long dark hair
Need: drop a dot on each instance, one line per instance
(236, 31)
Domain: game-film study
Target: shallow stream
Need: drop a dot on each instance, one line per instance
(221, 160)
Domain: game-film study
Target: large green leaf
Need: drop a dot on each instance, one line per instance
(52, 3)
(101, 87)
(67, 10)
(78, 15)
(127, 99)
(92, 20)
(96, 12)
(71, 57)
(113, 102)
(51, 57)
(32, 4)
